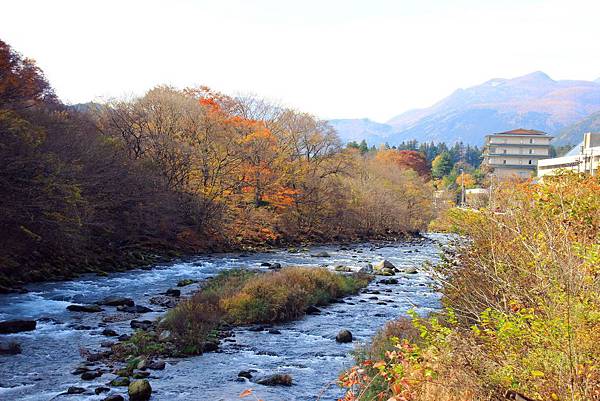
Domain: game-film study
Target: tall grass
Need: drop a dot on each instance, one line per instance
(241, 297)
(522, 305)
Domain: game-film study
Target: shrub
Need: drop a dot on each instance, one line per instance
(522, 300)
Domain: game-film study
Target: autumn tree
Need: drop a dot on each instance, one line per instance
(405, 159)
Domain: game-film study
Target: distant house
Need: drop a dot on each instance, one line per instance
(516, 152)
(583, 158)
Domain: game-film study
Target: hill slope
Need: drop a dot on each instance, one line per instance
(573, 134)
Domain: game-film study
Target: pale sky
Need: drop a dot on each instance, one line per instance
(333, 58)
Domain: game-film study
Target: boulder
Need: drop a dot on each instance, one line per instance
(274, 331)
(75, 390)
(10, 348)
(17, 326)
(116, 301)
(173, 292)
(265, 264)
(275, 266)
(100, 390)
(140, 374)
(384, 265)
(119, 382)
(410, 270)
(114, 397)
(84, 308)
(109, 333)
(164, 301)
(141, 324)
(210, 346)
(320, 255)
(140, 390)
(95, 357)
(91, 375)
(276, 380)
(185, 282)
(366, 269)
(344, 336)
(80, 369)
(342, 268)
(156, 365)
(134, 309)
(388, 281)
(246, 374)
(312, 310)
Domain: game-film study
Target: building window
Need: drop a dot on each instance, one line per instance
(504, 151)
(530, 140)
(530, 151)
(529, 161)
(503, 161)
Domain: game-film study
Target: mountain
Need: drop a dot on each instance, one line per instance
(533, 101)
(358, 129)
(573, 134)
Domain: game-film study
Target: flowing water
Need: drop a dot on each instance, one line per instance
(305, 349)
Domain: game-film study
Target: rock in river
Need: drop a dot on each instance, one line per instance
(75, 390)
(134, 309)
(114, 397)
(16, 326)
(140, 390)
(384, 265)
(276, 380)
(344, 336)
(10, 348)
(109, 333)
(312, 310)
(173, 292)
(116, 301)
(84, 308)
(141, 324)
(119, 382)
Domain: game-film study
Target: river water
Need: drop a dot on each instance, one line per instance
(305, 349)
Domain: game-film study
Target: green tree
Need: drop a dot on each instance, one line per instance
(441, 165)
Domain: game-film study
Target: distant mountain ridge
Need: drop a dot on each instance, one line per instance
(531, 101)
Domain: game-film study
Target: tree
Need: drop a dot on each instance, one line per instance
(405, 159)
(441, 165)
(22, 83)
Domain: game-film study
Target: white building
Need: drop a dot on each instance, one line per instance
(583, 158)
(515, 153)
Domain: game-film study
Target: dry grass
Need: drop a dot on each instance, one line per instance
(243, 297)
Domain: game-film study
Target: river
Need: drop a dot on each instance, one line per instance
(305, 349)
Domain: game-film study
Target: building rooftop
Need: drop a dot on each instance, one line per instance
(522, 131)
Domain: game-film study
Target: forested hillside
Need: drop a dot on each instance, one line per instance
(178, 171)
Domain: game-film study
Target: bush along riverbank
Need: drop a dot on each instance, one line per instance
(233, 298)
(521, 307)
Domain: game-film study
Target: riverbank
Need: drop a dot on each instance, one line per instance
(60, 269)
(305, 349)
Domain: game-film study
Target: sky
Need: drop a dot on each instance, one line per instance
(332, 58)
